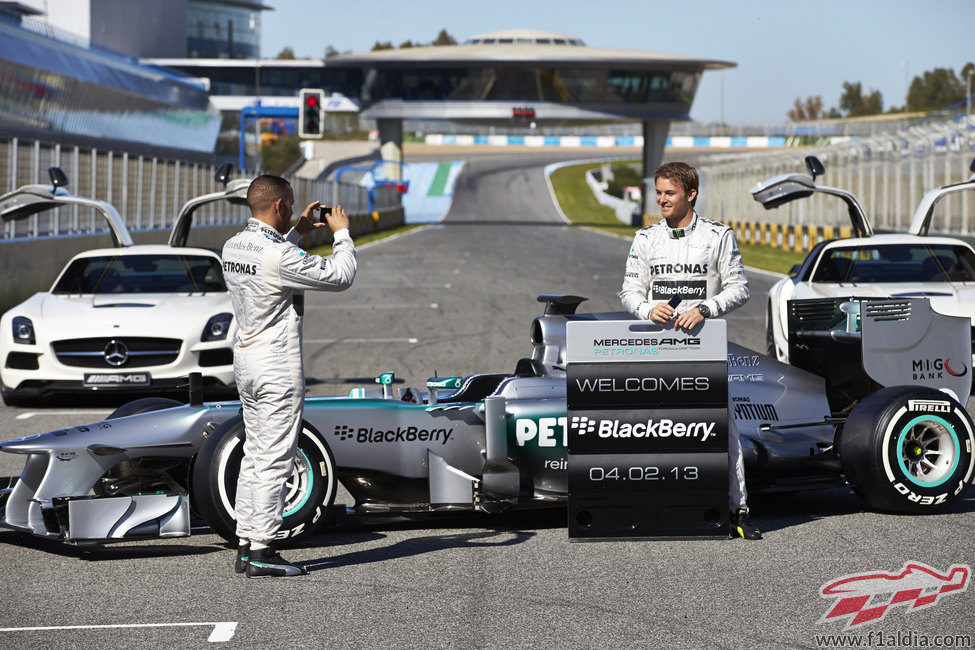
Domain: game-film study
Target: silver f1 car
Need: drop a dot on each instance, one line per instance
(870, 400)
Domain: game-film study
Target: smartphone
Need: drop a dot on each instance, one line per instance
(674, 301)
(324, 211)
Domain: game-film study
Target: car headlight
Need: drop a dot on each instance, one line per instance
(23, 330)
(217, 327)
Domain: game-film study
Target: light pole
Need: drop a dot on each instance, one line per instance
(907, 68)
(255, 25)
(968, 92)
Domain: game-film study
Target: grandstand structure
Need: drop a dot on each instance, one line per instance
(889, 172)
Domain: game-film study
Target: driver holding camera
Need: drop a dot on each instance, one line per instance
(266, 275)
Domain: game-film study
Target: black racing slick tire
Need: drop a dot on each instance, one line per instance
(144, 405)
(309, 494)
(908, 449)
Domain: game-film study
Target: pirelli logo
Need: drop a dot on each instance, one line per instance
(929, 405)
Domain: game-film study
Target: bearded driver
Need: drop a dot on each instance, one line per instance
(266, 276)
(697, 260)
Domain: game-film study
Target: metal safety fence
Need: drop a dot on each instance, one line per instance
(147, 191)
(889, 174)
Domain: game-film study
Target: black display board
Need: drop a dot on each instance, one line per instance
(648, 430)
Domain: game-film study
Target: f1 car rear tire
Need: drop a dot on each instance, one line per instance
(309, 494)
(144, 405)
(908, 449)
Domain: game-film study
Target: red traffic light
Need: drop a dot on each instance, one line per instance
(311, 101)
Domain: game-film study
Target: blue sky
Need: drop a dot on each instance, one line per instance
(784, 49)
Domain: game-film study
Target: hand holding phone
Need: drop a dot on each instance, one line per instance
(323, 212)
(674, 301)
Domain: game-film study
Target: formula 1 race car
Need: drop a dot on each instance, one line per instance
(490, 442)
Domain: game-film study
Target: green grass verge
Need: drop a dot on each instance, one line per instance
(581, 208)
(367, 238)
(765, 257)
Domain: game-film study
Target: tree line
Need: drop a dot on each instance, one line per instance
(931, 91)
(443, 38)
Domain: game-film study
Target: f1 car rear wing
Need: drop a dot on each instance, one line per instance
(29, 200)
(861, 344)
(921, 221)
(782, 189)
(235, 192)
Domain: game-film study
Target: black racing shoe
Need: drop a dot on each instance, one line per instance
(265, 563)
(741, 525)
(243, 553)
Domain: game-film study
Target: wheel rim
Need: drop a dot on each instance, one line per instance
(298, 487)
(927, 451)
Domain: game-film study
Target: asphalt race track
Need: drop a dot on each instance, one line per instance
(452, 299)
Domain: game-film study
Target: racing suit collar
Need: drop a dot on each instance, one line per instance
(256, 225)
(677, 233)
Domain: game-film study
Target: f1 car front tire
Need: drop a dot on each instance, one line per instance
(909, 450)
(144, 405)
(310, 491)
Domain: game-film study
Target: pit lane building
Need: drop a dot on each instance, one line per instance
(523, 76)
(506, 78)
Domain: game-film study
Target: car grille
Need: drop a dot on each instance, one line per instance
(128, 352)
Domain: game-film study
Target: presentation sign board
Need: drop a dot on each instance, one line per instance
(648, 430)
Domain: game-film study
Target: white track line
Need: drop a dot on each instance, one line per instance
(333, 307)
(409, 340)
(222, 631)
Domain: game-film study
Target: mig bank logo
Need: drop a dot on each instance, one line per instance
(868, 597)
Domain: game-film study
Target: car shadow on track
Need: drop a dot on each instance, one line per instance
(771, 512)
(418, 546)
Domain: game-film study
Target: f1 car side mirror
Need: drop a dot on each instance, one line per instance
(815, 167)
(223, 173)
(57, 176)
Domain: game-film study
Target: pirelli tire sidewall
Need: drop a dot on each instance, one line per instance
(876, 447)
(309, 495)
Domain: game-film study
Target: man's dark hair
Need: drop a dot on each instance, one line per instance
(265, 190)
(680, 173)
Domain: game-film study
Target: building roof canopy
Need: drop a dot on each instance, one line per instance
(522, 46)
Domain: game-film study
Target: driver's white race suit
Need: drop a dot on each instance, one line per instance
(702, 265)
(266, 275)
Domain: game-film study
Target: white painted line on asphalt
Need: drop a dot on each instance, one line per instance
(410, 340)
(774, 274)
(222, 631)
(432, 305)
(29, 414)
(391, 238)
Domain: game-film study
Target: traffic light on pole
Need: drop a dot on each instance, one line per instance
(311, 107)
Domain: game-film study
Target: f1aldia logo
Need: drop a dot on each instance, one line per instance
(868, 597)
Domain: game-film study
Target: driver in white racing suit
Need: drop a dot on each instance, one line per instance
(697, 260)
(266, 275)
